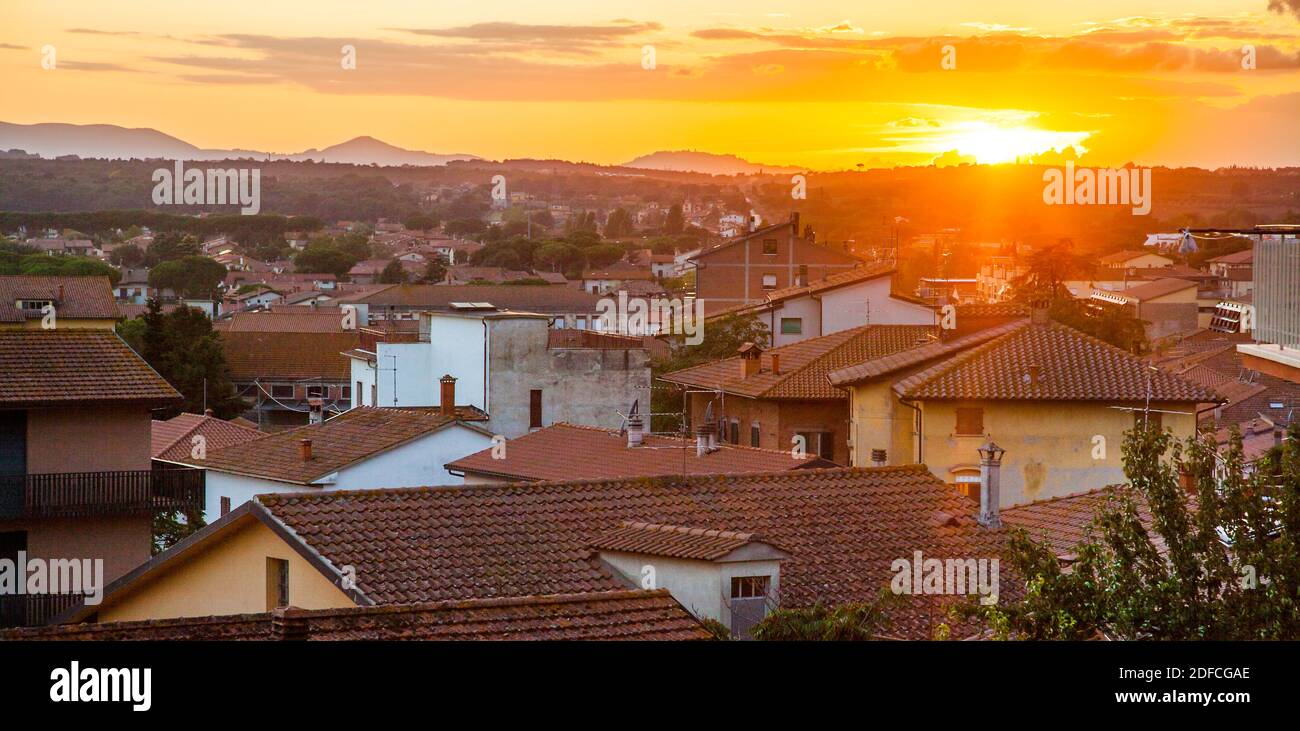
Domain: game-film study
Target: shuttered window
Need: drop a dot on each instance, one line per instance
(970, 420)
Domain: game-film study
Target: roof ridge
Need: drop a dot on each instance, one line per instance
(281, 497)
(688, 530)
(947, 365)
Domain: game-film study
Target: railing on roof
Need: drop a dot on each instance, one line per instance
(573, 338)
(34, 610)
(99, 494)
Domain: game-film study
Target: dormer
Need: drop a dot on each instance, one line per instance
(749, 359)
(733, 578)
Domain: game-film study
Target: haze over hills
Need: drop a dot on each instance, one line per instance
(108, 141)
(710, 163)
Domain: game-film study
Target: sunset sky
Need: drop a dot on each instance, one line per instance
(826, 84)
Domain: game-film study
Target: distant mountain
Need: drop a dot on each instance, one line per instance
(112, 142)
(690, 161)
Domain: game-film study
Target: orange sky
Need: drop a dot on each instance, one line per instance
(820, 83)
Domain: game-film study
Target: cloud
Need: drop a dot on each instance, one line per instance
(1282, 6)
(92, 66)
(12, 47)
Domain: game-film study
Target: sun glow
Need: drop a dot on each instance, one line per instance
(991, 144)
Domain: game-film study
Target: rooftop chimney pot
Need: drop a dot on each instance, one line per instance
(878, 458)
(304, 449)
(990, 515)
(447, 400)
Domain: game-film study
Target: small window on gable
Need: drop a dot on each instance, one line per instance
(791, 325)
(277, 583)
(769, 246)
(769, 281)
(970, 421)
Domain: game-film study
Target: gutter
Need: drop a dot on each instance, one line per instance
(920, 429)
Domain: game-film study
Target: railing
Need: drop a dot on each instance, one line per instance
(97, 494)
(34, 610)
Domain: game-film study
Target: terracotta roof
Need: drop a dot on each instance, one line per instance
(672, 541)
(289, 356)
(80, 298)
(843, 528)
(173, 440)
(567, 451)
(1062, 522)
(544, 298)
(618, 273)
(915, 356)
(805, 364)
(610, 615)
(282, 321)
(1121, 257)
(1072, 367)
(1158, 288)
(340, 441)
(1245, 256)
(76, 367)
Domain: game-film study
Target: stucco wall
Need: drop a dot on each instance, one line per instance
(849, 307)
(579, 386)
(228, 579)
(700, 586)
(1049, 444)
(415, 464)
(122, 543)
(75, 440)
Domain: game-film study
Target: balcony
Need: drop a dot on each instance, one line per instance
(34, 610)
(100, 494)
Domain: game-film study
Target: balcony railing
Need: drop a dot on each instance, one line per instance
(99, 494)
(34, 610)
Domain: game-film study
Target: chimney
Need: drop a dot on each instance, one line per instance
(315, 410)
(703, 439)
(990, 480)
(878, 458)
(447, 401)
(207, 412)
(304, 449)
(749, 359)
(289, 623)
(776, 364)
(794, 224)
(1035, 374)
(635, 426)
(60, 294)
(1038, 312)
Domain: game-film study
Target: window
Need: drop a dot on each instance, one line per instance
(970, 421)
(36, 305)
(277, 583)
(225, 504)
(1156, 421)
(791, 325)
(345, 393)
(749, 587)
(580, 323)
(535, 409)
(315, 392)
(280, 390)
(754, 433)
(820, 443)
(769, 281)
(735, 431)
(769, 246)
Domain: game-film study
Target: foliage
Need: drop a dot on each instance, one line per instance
(420, 222)
(435, 270)
(393, 273)
(192, 277)
(1044, 281)
(172, 527)
(675, 222)
(1223, 564)
(722, 337)
(855, 621)
(325, 258)
(182, 346)
(719, 630)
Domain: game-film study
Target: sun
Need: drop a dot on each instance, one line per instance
(992, 144)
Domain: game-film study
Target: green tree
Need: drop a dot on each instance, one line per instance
(128, 256)
(182, 346)
(722, 337)
(324, 258)
(674, 222)
(393, 273)
(420, 222)
(169, 245)
(618, 224)
(602, 255)
(853, 622)
(192, 277)
(1222, 564)
(435, 270)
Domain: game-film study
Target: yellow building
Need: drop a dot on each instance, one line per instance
(1057, 400)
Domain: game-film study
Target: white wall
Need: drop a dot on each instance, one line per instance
(414, 464)
(847, 307)
(700, 586)
(805, 308)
